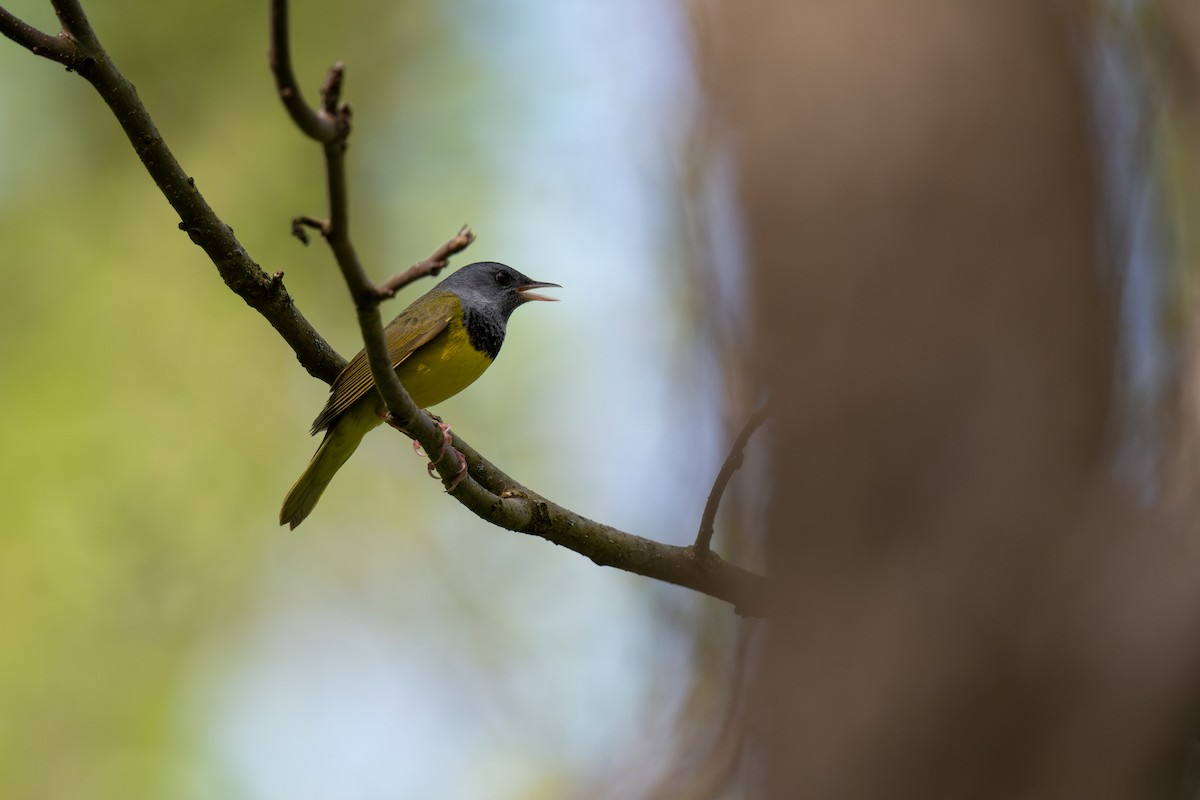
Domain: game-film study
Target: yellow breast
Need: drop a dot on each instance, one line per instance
(442, 367)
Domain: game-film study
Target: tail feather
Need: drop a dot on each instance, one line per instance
(339, 444)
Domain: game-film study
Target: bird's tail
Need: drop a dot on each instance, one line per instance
(339, 444)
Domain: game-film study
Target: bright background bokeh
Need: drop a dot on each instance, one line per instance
(160, 635)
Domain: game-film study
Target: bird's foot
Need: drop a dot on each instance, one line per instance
(442, 450)
(446, 439)
(458, 478)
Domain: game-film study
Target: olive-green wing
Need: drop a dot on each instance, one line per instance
(417, 325)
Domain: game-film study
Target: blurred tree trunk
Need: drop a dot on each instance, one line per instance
(974, 606)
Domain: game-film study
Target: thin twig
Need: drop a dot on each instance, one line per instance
(337, 233)
(75, 23)
(438, 261)
(733, 462)
(300, 223)
(56, 48)
(280, 55)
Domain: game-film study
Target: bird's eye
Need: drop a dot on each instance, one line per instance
(503, 278)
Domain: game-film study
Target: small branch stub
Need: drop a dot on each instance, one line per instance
(331, 89)
(301, 224)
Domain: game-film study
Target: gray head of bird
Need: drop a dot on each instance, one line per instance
(494, 288)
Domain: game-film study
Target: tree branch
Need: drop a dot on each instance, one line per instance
(499, 499)
(75, 23)
(733, 462)
(56, 48)
(313, 124)
(432, 266)
(488, 492)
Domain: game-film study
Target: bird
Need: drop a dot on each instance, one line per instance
(439, 345)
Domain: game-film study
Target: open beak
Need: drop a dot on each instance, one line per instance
(526, 295)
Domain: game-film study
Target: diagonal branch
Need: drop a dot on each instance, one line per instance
(432, 266)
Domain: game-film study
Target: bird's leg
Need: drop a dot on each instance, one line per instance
(445, 446)
(442, 449)
(445, 429)
(441, 426)
(462, 468)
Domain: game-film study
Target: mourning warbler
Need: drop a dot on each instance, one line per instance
(439, 345)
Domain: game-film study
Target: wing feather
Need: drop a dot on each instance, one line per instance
(404, 336)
